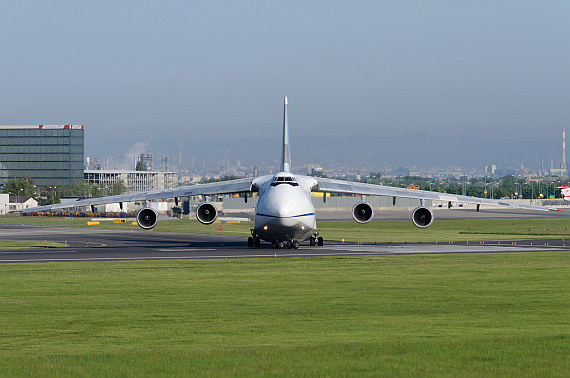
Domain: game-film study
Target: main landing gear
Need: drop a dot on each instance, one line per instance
(255, 240)
(289, 244)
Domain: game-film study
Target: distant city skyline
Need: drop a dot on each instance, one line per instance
(422, 152)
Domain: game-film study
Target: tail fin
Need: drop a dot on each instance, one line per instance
(286, 153)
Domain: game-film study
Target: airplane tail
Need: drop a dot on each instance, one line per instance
(286, 153)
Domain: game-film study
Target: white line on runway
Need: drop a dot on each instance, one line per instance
(184, 249)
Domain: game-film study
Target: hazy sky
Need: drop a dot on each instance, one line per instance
(130, 70)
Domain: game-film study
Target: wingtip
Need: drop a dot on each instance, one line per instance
(286, 102)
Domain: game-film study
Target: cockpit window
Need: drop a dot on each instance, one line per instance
(284, 180)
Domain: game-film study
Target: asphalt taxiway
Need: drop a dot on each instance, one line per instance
(109, 245)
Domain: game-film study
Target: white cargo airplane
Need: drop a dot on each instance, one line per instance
(285, 214)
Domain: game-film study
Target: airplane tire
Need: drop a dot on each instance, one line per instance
(289, 244)
(320, 241)
(250, 242)
(312, 241)
(257, 242)
(274, 244)
(295, 244)
(280, 245)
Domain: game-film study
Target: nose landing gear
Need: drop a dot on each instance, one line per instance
(255, 240)
(316, 241)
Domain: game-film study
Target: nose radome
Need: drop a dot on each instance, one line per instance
(284, 222)
(283, 211)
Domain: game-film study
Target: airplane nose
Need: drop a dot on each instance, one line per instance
(283, 222)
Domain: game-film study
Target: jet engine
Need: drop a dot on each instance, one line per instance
(206, 213)
(362, 212)
(422, 217)
(147, 218)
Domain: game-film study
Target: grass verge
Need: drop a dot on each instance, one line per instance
(468, 315)
(21, 244)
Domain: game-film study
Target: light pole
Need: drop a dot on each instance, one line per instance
(52, 194)
(493, 185)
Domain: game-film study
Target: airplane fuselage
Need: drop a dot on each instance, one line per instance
(284, 211)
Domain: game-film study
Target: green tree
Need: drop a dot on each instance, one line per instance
(224, 178)
(20, 187)
(49, 194)
(87, 190)
(77, 189)
(139, 166)
(118, 188)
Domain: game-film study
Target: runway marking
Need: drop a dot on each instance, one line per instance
(184, 249)
(93, 244)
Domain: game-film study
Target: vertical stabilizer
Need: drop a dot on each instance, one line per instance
(286, 153)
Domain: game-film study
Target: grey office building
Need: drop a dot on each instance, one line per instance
(49, 154)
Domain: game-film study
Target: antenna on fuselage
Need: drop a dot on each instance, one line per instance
(286, 153)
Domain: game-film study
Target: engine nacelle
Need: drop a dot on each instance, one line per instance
(422, 217)
(147, 218)
(362, 212)
(206, 213)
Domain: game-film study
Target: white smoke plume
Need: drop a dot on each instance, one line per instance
(127, 160)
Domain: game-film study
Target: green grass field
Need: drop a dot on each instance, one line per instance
(450, 315)
(24, 244)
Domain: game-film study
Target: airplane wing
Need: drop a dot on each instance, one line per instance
(349, 187)
(245, 185)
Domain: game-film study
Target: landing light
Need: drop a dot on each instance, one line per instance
(265, 227)
(302, 227)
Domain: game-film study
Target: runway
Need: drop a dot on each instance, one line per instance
(110, 245)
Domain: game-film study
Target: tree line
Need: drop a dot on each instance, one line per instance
(496, 188)
(48, 194)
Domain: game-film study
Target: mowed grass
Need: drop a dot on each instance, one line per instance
(23, 244)
(444, 315)
(373, 232)
(447, 230)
